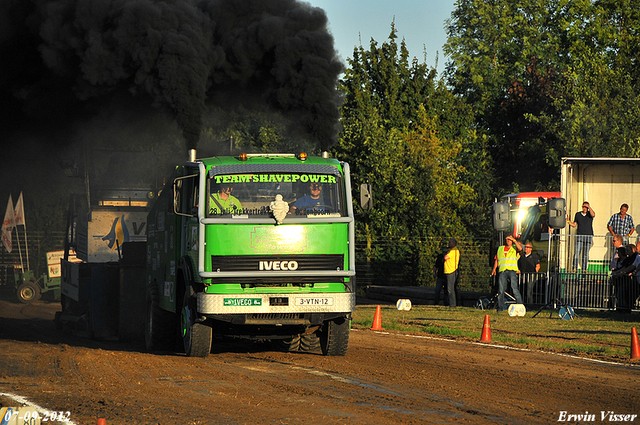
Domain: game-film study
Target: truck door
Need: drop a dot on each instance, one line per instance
(186, 206)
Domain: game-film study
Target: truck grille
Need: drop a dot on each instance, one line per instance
(293, 263)
(275, 316)
(282, 318)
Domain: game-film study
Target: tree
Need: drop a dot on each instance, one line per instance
(547, 79)
(600, 102)
(400, 131)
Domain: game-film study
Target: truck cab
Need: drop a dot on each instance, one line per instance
(255, 246)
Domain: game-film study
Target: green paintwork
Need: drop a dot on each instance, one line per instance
(325, 238)
(226, 160)
(244, 302)
(251, 239)
(318, 288)
(165, 242)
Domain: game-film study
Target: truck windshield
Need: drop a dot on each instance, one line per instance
(307, 194)
(534, 224)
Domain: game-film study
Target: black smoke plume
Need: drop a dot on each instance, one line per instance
(63, 60)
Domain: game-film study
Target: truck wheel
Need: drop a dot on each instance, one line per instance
(309, 342)
(159, 328)
(196, 336)
(28, 292)
(287, 344)
(334, 337)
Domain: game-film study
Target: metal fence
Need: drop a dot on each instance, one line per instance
(590, 290)
(596, 286)
(410, 263)
(564, 279)
(565, 282)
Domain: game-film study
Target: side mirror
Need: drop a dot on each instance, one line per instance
(500, 213)
(177, 199)
(366, 199)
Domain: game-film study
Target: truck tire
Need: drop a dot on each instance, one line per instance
(159, 330)
(287, 344)
(28, 292)
(334, 337)
(309, 342)
(196, 336)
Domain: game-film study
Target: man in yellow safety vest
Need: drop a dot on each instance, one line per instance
(506, 263)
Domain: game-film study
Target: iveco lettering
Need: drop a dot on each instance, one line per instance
(278, 265)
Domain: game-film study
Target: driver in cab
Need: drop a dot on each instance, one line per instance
(223, 202)
(314, 200)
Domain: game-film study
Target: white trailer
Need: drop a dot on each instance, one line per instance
(606, 183)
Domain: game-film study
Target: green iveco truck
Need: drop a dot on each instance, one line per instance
(255, 246)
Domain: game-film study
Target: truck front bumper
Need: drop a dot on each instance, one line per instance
(210, 304)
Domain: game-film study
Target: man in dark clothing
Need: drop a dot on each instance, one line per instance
(619, 253)
(529, 262)
(441, 279)
(621, 277)
(584, 235)
(529, 266)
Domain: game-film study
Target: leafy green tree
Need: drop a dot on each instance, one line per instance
(500, 65)
(400, 131)
(547, 79)
(600, 102)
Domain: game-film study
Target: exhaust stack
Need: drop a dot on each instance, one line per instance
(192, 155)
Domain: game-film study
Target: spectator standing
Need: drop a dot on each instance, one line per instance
(618, 254)
(451, 262)
(441, 278)
(506, 264)
(529, 266)
(583, 221)
(621, 224)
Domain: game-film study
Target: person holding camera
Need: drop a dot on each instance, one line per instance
(583, 221)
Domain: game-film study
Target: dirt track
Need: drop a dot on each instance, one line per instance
(383, 379)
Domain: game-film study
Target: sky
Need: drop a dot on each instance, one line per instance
(420, 22)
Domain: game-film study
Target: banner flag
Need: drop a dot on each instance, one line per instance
(19, 220)
(8, 225)
(19, 212)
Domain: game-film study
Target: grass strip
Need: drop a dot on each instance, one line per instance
(594, 334)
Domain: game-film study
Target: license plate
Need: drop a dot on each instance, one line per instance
(242, 302)
(314, 301)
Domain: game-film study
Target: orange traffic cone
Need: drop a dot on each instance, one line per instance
(102, 422)
(635, 345)
(486, 330)
(377, 321)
